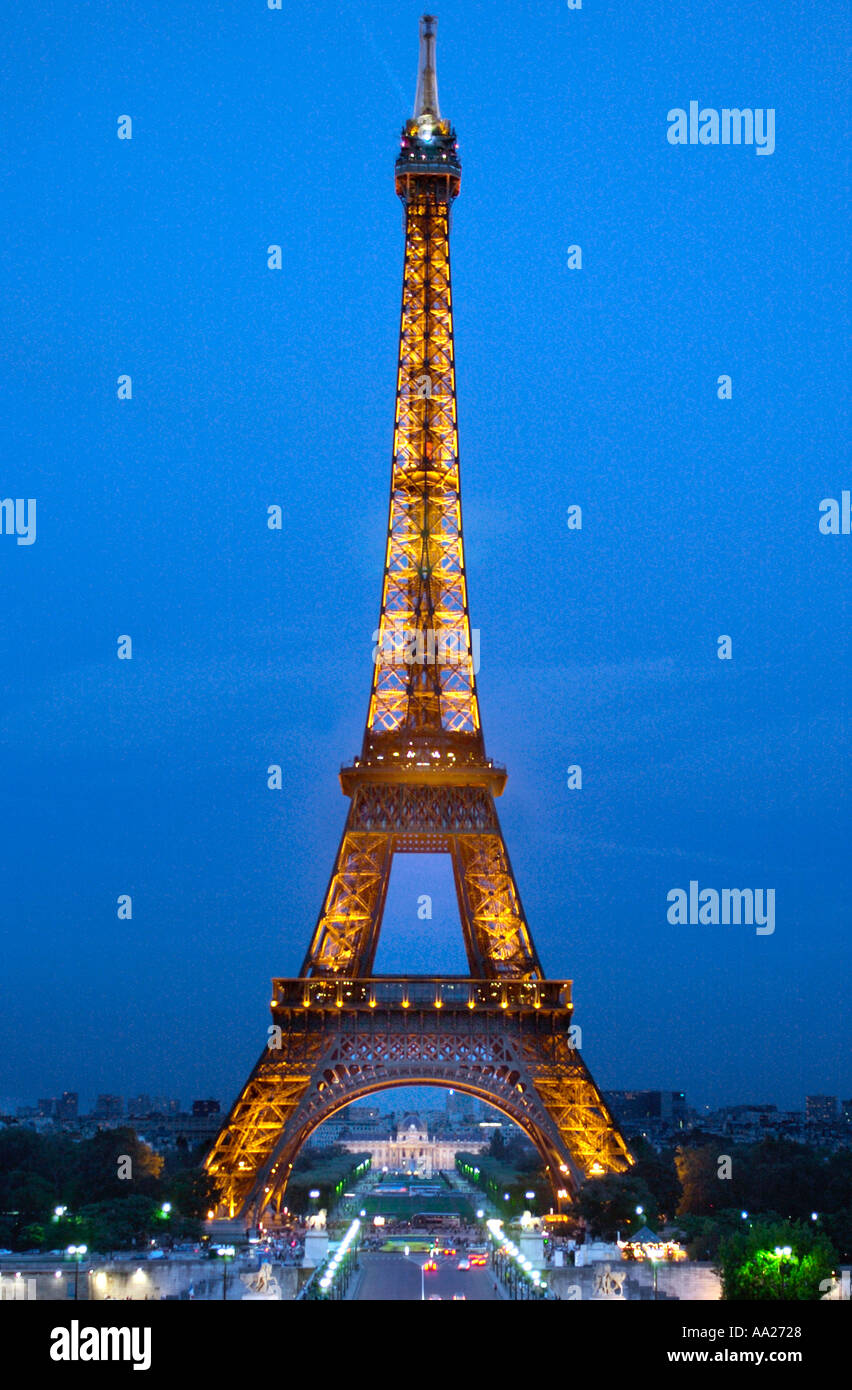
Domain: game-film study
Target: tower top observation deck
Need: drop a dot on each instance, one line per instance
(428, 164)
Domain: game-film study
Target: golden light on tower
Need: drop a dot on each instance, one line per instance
(422, 784)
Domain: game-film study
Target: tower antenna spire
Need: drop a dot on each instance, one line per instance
(426, 100)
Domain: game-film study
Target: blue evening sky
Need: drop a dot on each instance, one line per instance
(250, 387)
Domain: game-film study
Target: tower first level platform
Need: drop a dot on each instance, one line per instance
(331, 1042)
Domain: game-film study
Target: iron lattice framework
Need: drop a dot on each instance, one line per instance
(425, 597)
(422, 784)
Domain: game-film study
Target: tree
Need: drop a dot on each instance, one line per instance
(193, 1192)
(702, 1235)
(19, 1148)
(310, 1158)
(777, 1175)
(93, 1174)
(519, 1152)
(752, 1270)
(837, 1183)
(698, 1174)
(24, 1151)
(659, 1173)
(28, 1200)
(497, 1147)
(773, 1175)
(120, 1223)
(838, 1227)
(608, 1205)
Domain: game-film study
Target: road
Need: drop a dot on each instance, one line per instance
(393, 1278)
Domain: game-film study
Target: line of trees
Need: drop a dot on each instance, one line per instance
(705, 1186)
(113, 1188)
(328, 1171)
(506, 1184)
(775, 1216)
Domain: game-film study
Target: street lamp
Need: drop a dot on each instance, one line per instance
(227, 1253)
(342, 1262)
(77, 1252)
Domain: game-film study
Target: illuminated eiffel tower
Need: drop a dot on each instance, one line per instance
(422, 784)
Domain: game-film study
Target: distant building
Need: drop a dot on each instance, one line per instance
(205, 1107)
(361, 1114)
(171, 1131)
(160, 1105)
(109, 1107)
(754, 1116)
(47, 1108)
(364, 1125)
(139, 1107)
(66, 1107)
(664, 1107)
(411, 1150)
(328, 1133)
(463, 1109)
(820, 1110)
(846, 1111)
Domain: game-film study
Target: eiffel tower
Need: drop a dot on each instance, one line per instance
(422, 784)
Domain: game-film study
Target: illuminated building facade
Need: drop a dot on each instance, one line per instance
(413, 1150)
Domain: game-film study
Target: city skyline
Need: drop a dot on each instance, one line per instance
(421, 1098)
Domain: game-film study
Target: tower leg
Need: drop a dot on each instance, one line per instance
(346, 936)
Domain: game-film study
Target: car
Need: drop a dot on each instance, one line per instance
(463, 1264)
(430, 1266)
(459, 1298)
(435, 1298)
(479, 1259)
